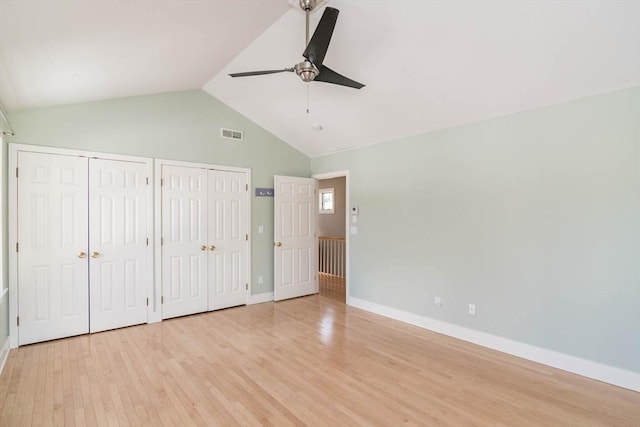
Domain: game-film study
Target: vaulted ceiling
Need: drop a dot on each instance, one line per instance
(426, 64)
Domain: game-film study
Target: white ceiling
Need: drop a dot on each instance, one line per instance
(60, 52)
(427, 64)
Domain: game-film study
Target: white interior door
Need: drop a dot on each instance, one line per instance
(52, 253)
(228, 239)
(118, 244)
(184, 240)
(295, 269)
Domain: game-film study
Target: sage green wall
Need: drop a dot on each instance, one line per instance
(534, 217)
(178, 126)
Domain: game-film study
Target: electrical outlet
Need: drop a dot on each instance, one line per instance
(437, 301)
(260, 280)
(472, 309)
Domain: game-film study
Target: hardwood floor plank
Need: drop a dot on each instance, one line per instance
(308, 361)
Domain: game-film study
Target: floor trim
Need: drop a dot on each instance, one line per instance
(576, 365)
(4, 353)
(260, 298)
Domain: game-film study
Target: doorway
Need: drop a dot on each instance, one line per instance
(333, 226)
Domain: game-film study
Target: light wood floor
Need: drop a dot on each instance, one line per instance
(307, 361)
(332, 287)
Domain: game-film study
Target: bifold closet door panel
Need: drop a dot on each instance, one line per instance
(184, 240)
(118, 282)
(52, 252)
(228, 239)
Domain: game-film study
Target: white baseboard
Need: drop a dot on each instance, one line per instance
(260, 298)
(4, 353)
(576, 365)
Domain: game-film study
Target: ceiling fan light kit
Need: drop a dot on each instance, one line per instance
(312, 68)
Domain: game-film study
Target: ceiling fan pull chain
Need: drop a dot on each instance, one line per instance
(307, 98)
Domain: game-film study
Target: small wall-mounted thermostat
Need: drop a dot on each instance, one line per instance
(355, 210)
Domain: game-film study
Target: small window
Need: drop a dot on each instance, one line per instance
(326, 201)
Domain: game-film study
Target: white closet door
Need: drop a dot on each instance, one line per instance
(117, 244)
(228, 239)
(296, 259)
(184, 240)
(52, 255)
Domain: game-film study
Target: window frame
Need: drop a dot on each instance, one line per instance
(321, 192)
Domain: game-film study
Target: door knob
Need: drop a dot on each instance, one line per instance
(278, 244)
(203, 247)
(95, 254)
(212, 248)
(82, 255)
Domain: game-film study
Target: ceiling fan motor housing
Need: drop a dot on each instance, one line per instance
(306, 71)
(307, 5)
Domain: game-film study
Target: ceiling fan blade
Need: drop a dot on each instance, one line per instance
(259, 73)
(327, 75)
(319, 43)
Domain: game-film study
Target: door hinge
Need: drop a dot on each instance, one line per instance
(161, 300)
(147, 302)
(18, 321)
(246, 286)
(161, 182)
(246, 237)
(246, 187)
(147, 180)
(147, 241)
(161, 241)
(16, 172)
(17, 247)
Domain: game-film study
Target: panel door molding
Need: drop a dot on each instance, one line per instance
(118, 246)
(52, 247)
(55, 217)
(184, 241)
(228, 239)
(296, 243)
(203, 243)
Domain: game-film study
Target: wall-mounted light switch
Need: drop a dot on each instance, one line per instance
(264, 192)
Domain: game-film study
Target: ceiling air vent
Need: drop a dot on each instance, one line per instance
(237, 135)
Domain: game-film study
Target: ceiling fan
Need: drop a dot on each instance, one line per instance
(312, 67)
